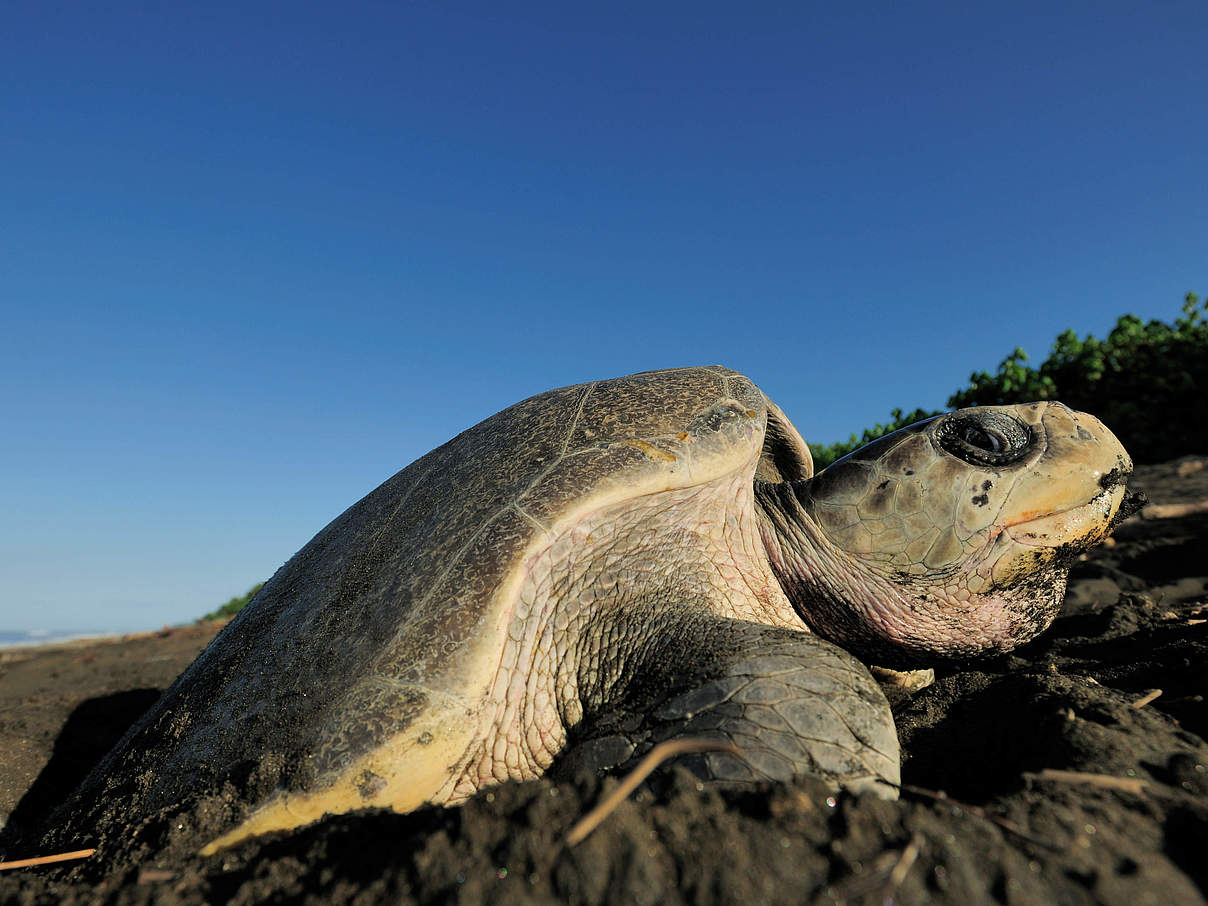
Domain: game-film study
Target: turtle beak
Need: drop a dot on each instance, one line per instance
(1133, 503)
(1076, 488)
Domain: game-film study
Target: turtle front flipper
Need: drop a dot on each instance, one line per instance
(791, 703)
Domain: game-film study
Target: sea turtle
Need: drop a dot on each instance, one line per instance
(605, 566)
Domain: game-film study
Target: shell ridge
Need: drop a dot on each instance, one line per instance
(455, 559)
(457, 556)
(557, 461)
(381, 530)
(530, 517)
(724, 374)
(439, 581)
(574, 422)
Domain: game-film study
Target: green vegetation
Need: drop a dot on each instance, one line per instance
(1147, 381)
(233, 606)
(824, 455)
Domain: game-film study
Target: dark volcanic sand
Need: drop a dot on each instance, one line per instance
(1134, 623)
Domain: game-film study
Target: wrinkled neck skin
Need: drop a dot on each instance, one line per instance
(888, 617)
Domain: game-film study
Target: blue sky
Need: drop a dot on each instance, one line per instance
(256, 257)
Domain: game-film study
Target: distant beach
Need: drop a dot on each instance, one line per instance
(23, 637)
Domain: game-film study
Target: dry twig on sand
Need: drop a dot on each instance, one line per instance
(1134, 785)
(1174, 510)
(646, 766)
(1147, 698)
(47, 860)
(900, 869)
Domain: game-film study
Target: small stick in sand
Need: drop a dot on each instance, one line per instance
(646, 766)
(900, 870)
(1133, 785)
(47, 860)
(154, 875)
(1146, 699)
(1174, 510)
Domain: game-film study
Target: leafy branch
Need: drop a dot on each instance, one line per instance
(1148, 381)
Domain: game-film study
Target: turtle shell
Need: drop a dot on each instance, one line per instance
(391, 621)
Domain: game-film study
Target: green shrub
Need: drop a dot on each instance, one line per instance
(233, 606)
(825, 454)
(1147, 381)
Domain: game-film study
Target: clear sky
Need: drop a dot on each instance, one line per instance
(257, 257)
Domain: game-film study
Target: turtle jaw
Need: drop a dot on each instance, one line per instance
(1082, 524)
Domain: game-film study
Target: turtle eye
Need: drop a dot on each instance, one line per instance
(989, 441)
(984, 437)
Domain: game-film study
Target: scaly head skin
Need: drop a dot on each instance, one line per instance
(950, 538)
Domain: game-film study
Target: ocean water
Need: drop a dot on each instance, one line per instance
(20, 637)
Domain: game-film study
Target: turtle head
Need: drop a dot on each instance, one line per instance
(953, 536)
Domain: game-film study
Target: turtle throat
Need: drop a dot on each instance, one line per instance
(820, 580)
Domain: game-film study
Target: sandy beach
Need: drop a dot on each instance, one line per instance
(1074, 770)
